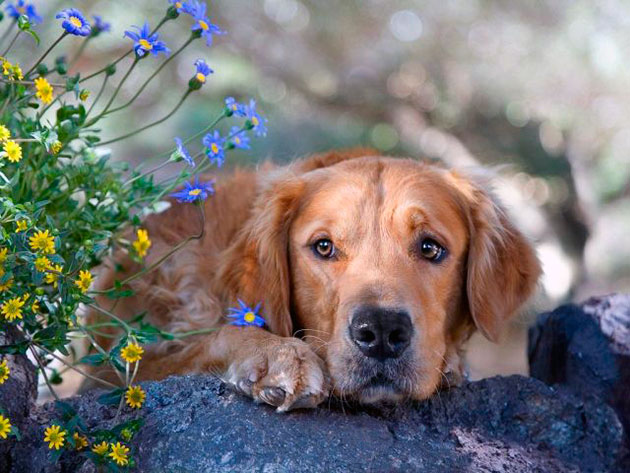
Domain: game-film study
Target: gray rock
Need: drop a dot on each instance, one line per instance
(194, 423)
(18, 393)
(586, 348)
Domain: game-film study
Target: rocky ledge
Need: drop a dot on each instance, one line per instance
(513, 424)
(510, 424)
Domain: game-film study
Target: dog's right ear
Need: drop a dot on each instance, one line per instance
(255, 267)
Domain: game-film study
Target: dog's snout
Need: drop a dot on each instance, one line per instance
(381, 333)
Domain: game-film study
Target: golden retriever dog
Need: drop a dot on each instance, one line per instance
(372, 273)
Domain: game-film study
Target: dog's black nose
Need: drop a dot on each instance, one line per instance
(381, 333)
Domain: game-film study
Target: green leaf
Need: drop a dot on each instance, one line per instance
(111, 398)
(65, 409)
(34, 35)
(96, 359)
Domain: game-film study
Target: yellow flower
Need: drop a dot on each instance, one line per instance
(13, 151)
(142, 244)
(42, 263)
(53, 278)
(80, 441)
(126, 434)
(6, 285)
(55, 437)
(5, 427)
(35, 307)
(43, 242)
(21, 226)
(119, 453)
(132, 352)
(135, 397)
(12, 309)
(5, 134)
(7, 67)
(3, 255)
(17, 72)
(55, 147)
(84, 94)
(4, 371)
(84, 281)
(44, 90)
(101, 448)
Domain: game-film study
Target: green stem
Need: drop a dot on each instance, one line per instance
(98, 96)
(163, 258)
(125, 325)
(42, 368)
(150, 171)
(100, 71)
(6, 34)
(74, 368)
(157, 122)
(11, 43)
(41, 113)
(79, 52)
(194, 332)
(113, 97)
(29, 82)
(52, 46)
(152, 76)
(190, 138)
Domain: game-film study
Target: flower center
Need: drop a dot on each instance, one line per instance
(21, 10)
(178, 4)
(249, 317)
(255, 121)
(145, 44)
(75, 21)
(237, 140)
(204, 25)
(200, 77)
(195, 192)
(214, 148)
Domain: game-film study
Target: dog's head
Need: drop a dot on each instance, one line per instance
(385, 266)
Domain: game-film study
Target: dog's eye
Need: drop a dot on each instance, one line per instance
(324, 248)
(432, 250)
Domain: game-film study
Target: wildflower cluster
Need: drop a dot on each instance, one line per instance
(64, 206)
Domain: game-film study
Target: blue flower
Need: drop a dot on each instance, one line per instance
(23, 8)
(239, 138)
(236, 108)
(181, 7)
(203, 70)
(74, 22)
(145, 42)
(257, 122)
(100, 26)
(183, 152)
(193, 192)
(244, 315)
(215, 151)
(202, 22)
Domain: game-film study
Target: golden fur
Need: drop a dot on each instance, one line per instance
(256, 247)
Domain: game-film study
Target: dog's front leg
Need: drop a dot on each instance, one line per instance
(281, 371)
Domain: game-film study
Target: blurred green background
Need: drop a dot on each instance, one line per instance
(540, 86)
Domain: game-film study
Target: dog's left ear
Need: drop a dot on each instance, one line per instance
(255, 267)
(502, 267)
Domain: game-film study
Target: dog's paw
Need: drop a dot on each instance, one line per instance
(282, 372)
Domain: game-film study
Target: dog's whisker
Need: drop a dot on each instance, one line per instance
(295, 334)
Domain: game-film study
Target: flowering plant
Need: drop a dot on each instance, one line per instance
(64, 206)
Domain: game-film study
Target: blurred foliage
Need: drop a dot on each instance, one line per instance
(540, 86)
